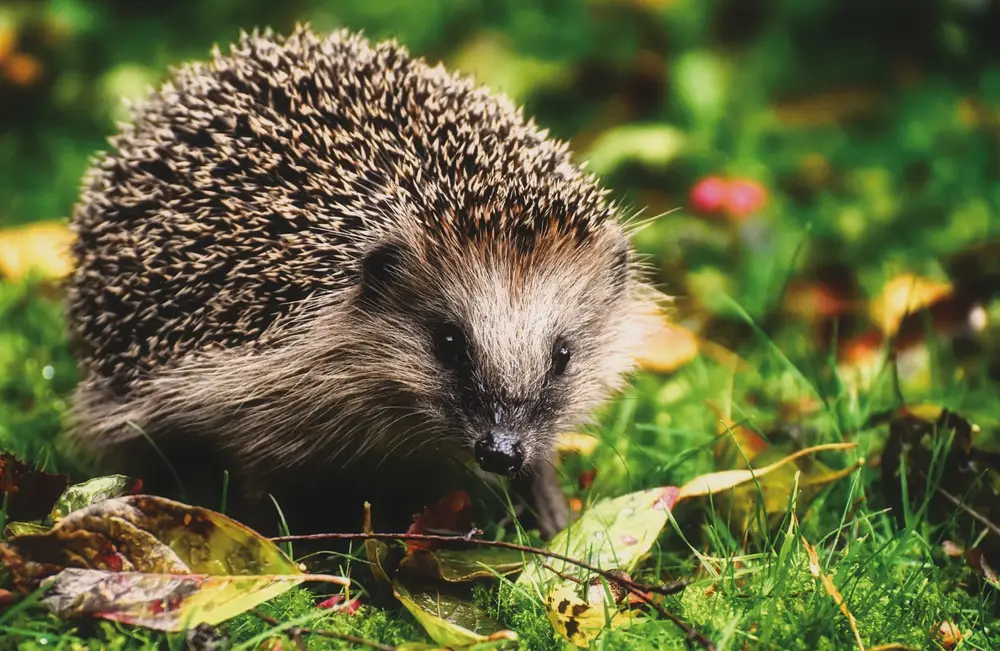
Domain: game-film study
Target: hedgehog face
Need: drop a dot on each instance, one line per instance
(506, 348)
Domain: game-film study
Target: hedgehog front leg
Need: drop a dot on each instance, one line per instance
(545, 496)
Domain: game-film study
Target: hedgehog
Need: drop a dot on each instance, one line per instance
(319, 270)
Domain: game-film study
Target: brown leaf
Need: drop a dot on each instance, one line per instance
(30, 493)
(451, 514)
(164, 602)
(904, 295)
(21, 69)
(948, 635)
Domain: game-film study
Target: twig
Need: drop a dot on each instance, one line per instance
(640, 590)
(982, 519)
(296, 632)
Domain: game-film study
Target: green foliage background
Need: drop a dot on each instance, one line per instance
(874, 126)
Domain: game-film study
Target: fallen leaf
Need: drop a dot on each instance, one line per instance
(570, 442)
(579, 621)
(613, 533)
(460, 565)
(929, 441)
(23, 529)
(90, 492)
(904, 295)
(141, 533)
(598, 588)
(717, 482)
(29, 493)
(448, 620)
(668, 347)
(165, 602)
(153, 562)
(376, 551)
(948, 635)
(21, 69)
(830, 588)
(42, 246)
(452, 514)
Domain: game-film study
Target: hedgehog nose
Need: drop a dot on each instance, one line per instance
(499, 452)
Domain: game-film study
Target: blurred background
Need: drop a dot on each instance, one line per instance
(808, 166)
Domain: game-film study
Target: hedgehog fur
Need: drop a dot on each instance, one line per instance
(267, 255)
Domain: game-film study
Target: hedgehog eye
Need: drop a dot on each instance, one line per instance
(450, 346)
(560, 358)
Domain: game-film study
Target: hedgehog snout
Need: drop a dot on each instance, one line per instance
(500, 451)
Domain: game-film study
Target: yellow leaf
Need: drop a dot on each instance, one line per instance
(448, 620)
(42, 247)
(165, 602)
(575, 442)
(578, 621)
(831, 589)
(668, 347)
(722, 481)
(8, 41)
(904, 295)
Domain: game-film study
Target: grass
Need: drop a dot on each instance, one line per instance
(753, 585)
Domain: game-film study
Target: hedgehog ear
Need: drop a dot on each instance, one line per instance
(380, 269)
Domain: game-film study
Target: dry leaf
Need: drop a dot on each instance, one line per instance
(141, 533)
(448, 620)
(151, 561)
(722, 481)
(575, 442)
(164, 602)
(831, 589)
(452, 514)
(579, 621)
(903, 295)
(668, 347)
(614, 532)
(21, 69)
(948, 635)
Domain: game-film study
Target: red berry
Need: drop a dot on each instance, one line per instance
(709, 194)
(745, 197)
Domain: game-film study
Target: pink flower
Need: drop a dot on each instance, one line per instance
(744, 198)
(710, 194)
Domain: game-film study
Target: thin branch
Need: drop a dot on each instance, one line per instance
(640, 590)
(982, 519)
(296, 633)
